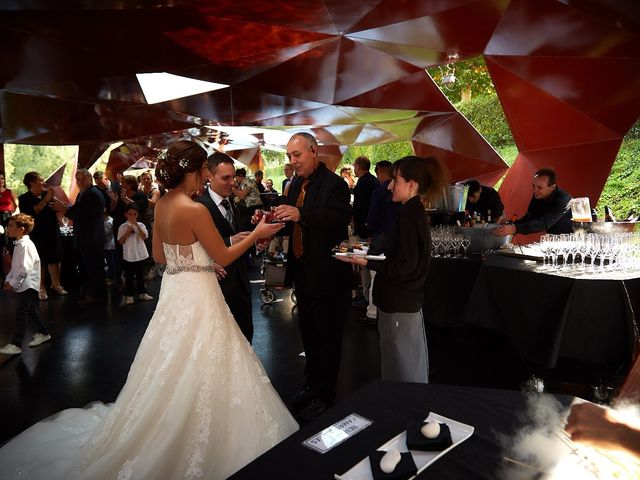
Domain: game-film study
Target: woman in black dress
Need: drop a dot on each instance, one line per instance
(41, 204)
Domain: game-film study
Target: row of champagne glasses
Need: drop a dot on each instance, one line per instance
(446, 242)
(611, 251)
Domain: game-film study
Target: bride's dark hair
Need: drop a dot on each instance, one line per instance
(180, 158)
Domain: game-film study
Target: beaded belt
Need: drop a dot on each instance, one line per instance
(189, 268)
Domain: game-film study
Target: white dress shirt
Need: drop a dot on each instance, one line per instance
(134, 248)
(217, 199)
(25, 266)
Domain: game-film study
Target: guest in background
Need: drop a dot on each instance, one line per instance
(318, 211)
(380, 220)
(485, 201)
(362, 192)
(88, 237)
(131, 235)
(400, 282)
(110, 254)
(42, 205)
(103, 184)
(247, 193)
(8, 205)
(259, 176)
(347, 175)
(148, 188)
(288, 177)
(24, 279)
(549, 210)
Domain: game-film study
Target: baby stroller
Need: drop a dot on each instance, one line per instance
(273, 269)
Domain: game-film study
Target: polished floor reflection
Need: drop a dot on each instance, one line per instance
(93, 346)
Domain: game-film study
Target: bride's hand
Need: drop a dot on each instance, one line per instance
(264, 229)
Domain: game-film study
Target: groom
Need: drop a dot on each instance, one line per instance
(234, 278)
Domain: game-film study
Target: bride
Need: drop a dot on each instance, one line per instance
(197, 402)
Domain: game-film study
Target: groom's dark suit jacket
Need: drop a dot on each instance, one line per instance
(235, 287)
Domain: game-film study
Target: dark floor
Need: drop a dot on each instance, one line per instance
(93, 347)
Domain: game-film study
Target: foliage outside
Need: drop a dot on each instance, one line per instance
(21, 159)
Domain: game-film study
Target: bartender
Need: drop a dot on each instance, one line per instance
(484, 200)
(548, 210)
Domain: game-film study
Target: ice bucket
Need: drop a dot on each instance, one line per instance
(482, 237)
(454, 198)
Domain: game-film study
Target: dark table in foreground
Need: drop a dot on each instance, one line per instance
(496, 416)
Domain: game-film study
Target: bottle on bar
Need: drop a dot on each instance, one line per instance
(488, 216)
(467, 218)
(608, 214)
(632, 215)
(594, 215)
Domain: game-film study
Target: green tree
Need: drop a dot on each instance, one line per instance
(472, 78)
(20, 159)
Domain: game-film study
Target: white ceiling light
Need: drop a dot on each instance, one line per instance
(161, 87)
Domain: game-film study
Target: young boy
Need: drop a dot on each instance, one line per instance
(24, 279)
(131, 236)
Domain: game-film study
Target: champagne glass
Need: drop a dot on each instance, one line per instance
(466, 241)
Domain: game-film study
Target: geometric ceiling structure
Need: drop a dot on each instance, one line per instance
(568, 77)
(350, 71)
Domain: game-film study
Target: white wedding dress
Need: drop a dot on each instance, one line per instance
(197, 403)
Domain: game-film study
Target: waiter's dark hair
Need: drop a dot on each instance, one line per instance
(474, 187)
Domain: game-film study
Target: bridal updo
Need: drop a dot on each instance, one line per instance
(181, 157)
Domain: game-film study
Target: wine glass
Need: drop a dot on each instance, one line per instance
(466, 241)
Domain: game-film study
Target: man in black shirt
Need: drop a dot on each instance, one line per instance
(362, 192)
(484, 200)
(548, 211)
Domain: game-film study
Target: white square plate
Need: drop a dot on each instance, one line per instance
(459, 433)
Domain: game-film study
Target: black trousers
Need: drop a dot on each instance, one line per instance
(92, 271)
(134, 270)
(323, 305)
(27, 313)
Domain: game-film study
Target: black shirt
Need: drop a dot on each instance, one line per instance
(489, 201)
(400, 279)
(362, 192)
(552, 214)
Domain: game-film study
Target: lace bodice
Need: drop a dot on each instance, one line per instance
(181, 256)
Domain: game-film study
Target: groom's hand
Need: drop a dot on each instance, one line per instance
(238, 237)
(220, 271)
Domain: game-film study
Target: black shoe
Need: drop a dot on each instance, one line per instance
(301, 398)
(314, 409)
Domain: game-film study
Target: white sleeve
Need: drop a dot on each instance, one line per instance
(19, 267)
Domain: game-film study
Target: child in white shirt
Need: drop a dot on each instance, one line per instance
(131, 236)
(24, 279)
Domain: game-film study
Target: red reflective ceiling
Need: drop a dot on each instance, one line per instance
(350, 71)
(568, 78)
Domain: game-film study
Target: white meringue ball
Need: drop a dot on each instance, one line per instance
(431, 429)
(390, 460)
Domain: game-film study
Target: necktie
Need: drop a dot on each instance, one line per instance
(228, 212)
(297, 229)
